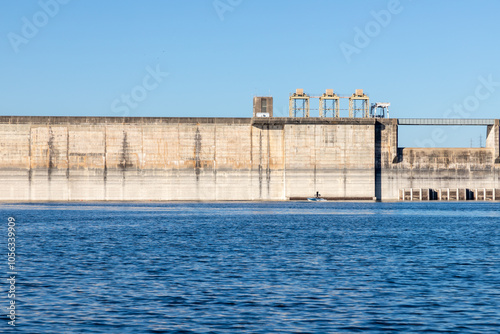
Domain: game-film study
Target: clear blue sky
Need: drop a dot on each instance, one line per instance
(84, 56)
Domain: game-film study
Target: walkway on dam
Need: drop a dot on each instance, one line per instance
(445, 121)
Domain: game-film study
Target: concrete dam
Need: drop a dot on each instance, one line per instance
(247, 159)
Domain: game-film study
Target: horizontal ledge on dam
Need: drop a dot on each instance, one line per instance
(70, 120)
(445, 121)
(315, 120)
(54, 120)
(238, 120)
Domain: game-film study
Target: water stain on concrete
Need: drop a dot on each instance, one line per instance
(197, 150)
(51, 153)
(125, 161)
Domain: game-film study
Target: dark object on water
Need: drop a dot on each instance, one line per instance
(317, 198)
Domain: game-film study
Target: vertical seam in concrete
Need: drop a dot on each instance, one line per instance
(496, 138)
(50, 154)
(268, 169)
(142, 164)
(30, 170)
(345, 163)
(284, 162)
(197, 152)
(105, 162)
(67, 161)
(260, 164)
(178, 157)
(377, 141)
(314, 148)
(124, 161)
(251, 162)
(215, 160)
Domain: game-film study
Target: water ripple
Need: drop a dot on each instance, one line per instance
(257, 267)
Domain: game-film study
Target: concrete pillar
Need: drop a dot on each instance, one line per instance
(411, 194)
(493, 139)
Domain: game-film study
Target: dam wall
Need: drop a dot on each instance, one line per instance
(435, 168)
(218, 159)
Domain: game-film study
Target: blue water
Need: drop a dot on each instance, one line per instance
(294, 267)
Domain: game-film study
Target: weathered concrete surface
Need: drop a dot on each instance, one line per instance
(93, 158)
(434, 168)
(63, 158)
